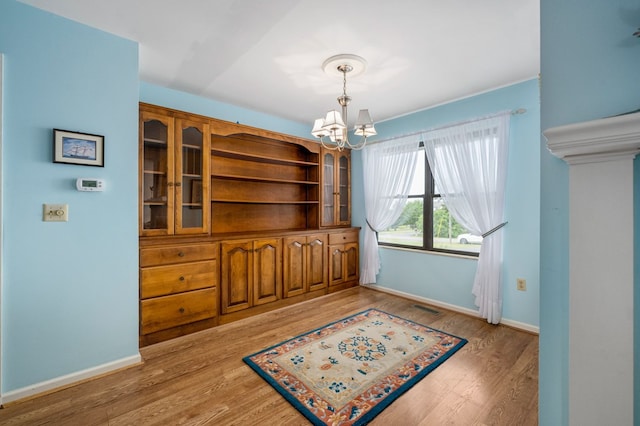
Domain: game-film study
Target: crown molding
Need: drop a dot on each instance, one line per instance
(604, 139)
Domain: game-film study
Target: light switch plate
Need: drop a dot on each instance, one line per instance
(55, 212)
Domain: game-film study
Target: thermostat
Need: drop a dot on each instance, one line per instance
(89, 184)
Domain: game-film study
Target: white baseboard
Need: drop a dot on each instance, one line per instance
(511, 323)
(66, 380)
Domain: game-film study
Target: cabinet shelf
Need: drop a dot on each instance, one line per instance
(261, 179)
(259, 158)
(193, 147)
(228, 201)
(152, 141)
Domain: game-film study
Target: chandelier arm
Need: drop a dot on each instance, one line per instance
(330, 147)
(359, 145)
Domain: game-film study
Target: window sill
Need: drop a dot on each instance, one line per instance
(430, 252)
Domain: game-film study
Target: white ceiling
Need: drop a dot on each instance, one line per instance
(268, 55)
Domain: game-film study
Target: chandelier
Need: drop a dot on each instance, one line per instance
(332, 130)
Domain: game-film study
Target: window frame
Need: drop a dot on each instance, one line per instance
(427, 216)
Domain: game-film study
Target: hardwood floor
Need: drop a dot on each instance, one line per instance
(201, 379)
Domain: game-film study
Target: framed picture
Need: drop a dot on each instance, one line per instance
(78, 148)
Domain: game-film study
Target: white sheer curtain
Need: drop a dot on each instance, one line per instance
(388, 168)
(469, 166)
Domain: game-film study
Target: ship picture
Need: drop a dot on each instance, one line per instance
(78, 148)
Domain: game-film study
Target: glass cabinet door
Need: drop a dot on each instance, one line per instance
(344, 212)
(336, 188)
(191, 184)
(328, 190)
(156, 211)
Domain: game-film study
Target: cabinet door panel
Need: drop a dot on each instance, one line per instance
(336, 188)
(236, 276)
(294, 266)
(352, 266)
(267, 271)
(156, 174)
(336, 268)
(328, 189)
(344, 190)
(191, 177)
(316, 265)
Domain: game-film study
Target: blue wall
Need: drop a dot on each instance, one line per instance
(449, 279)
(70, 289)
(590, 65)
(182, 101)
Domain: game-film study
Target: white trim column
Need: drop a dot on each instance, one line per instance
(1, 220)
(600, 155)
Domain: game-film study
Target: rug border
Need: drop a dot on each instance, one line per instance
(378, 408)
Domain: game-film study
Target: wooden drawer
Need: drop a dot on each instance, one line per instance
(164, 280)
(343, 237)
(161, 313)
(164, 255)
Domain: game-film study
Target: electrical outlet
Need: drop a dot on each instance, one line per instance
(55, 212)
(521, 284)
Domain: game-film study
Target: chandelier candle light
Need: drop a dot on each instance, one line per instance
(334, 125)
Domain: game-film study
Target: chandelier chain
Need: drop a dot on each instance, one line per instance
(344, 81)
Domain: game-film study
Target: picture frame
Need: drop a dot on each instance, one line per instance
(83, 149)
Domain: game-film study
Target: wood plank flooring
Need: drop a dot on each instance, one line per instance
(201, 379)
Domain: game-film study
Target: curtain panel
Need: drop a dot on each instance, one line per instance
(469, 165)
(388, 169)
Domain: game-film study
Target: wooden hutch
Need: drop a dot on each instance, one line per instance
(236, 221)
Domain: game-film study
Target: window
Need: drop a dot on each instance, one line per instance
(425, 222)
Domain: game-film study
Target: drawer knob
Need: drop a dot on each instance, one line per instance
(180, 254)
(181, 310)
(181, 278)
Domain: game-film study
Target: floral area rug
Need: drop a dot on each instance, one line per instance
(347, 372)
